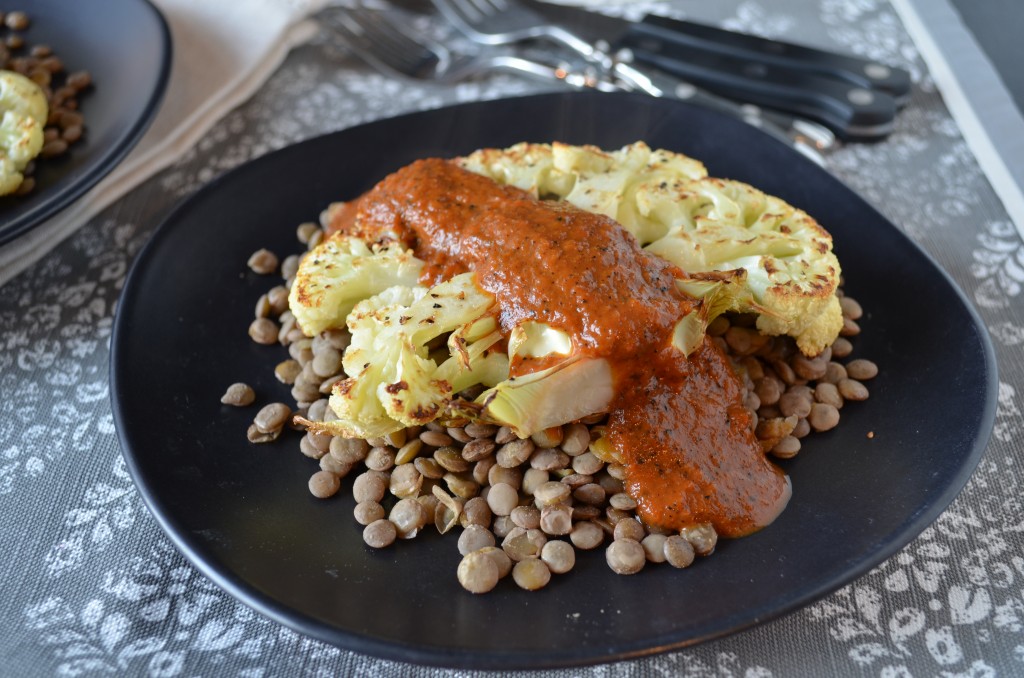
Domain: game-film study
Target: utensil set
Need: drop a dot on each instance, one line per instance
(803, 96)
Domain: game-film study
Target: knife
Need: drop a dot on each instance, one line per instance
(866, 73)
(851, 111)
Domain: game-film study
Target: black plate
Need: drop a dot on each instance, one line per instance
(126, 47)
(243, 515)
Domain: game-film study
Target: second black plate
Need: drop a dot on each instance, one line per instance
(243, 515)
(126, 47)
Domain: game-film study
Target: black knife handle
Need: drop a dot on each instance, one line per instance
(857, 71)
(853, 113)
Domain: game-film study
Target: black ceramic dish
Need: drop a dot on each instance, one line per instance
(242, 512)
(126, 47)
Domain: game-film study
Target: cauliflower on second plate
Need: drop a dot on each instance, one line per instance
(23, 113)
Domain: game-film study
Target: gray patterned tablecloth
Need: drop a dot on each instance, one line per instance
(91, 586)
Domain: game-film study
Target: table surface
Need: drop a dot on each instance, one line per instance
(92, 586)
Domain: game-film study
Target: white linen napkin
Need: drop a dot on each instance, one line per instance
(223, 53)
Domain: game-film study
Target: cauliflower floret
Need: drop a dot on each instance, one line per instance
(789, 272)
(23, 113)
(768, 257)
(605, 182)
(342, 271)
(394, 379)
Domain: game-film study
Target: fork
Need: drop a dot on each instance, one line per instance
(504, 22)
(392, 49)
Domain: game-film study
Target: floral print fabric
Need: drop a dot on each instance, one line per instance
(93, 587)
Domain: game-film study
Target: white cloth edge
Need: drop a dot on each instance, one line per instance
(922, 19)
(26, 250)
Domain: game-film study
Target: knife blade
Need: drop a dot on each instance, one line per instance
(851, 111)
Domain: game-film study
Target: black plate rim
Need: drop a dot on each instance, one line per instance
(393, 650)
(114, 154)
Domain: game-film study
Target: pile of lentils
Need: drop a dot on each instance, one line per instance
(65, 124)
(525, 506)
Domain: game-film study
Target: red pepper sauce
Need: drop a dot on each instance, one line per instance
(679, 423)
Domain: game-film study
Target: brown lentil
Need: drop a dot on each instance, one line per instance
(526, 517)
(307, 448)
(380, 533)
(575, 439)
(428, 468)
(502, 498)
(828, 393)
(504, 435)
(501, 526)
(792, 403)
(369, 486)
(625, 556)
(482, 470)
(861, 369)
(587, 464)
(287, 370)
(622, 501)
(549, 460)
(702, 538)
(521, 544)
(367, 512)
(436, 438)
(851, 309)
(449, 458)
(786, 448)
(474, 538)
(352, 450)
(514, 453)
(256, 436)
(823, 417)
(500, 474)
(324, 484)
(500, 558)
(380, 459)
(478, 572)
(238, 394)
(548, 438)
(477, 512)
(405, 481)
(462, 485)
(556, 520)
(305, 231)
(459, 434)
(678, 551)
(531, 574)
(591, 493)
(272, 417)
(586, 535)
(628, 529)
(263, 331)
(559, 556)
(290, 266)
(332, 465)
(532, 479)
(409, 516)
(551, 493)
(654, 547)
(263, 262)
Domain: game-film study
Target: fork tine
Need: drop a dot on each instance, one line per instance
(466, 9)
(491, 7)
(384, 45)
